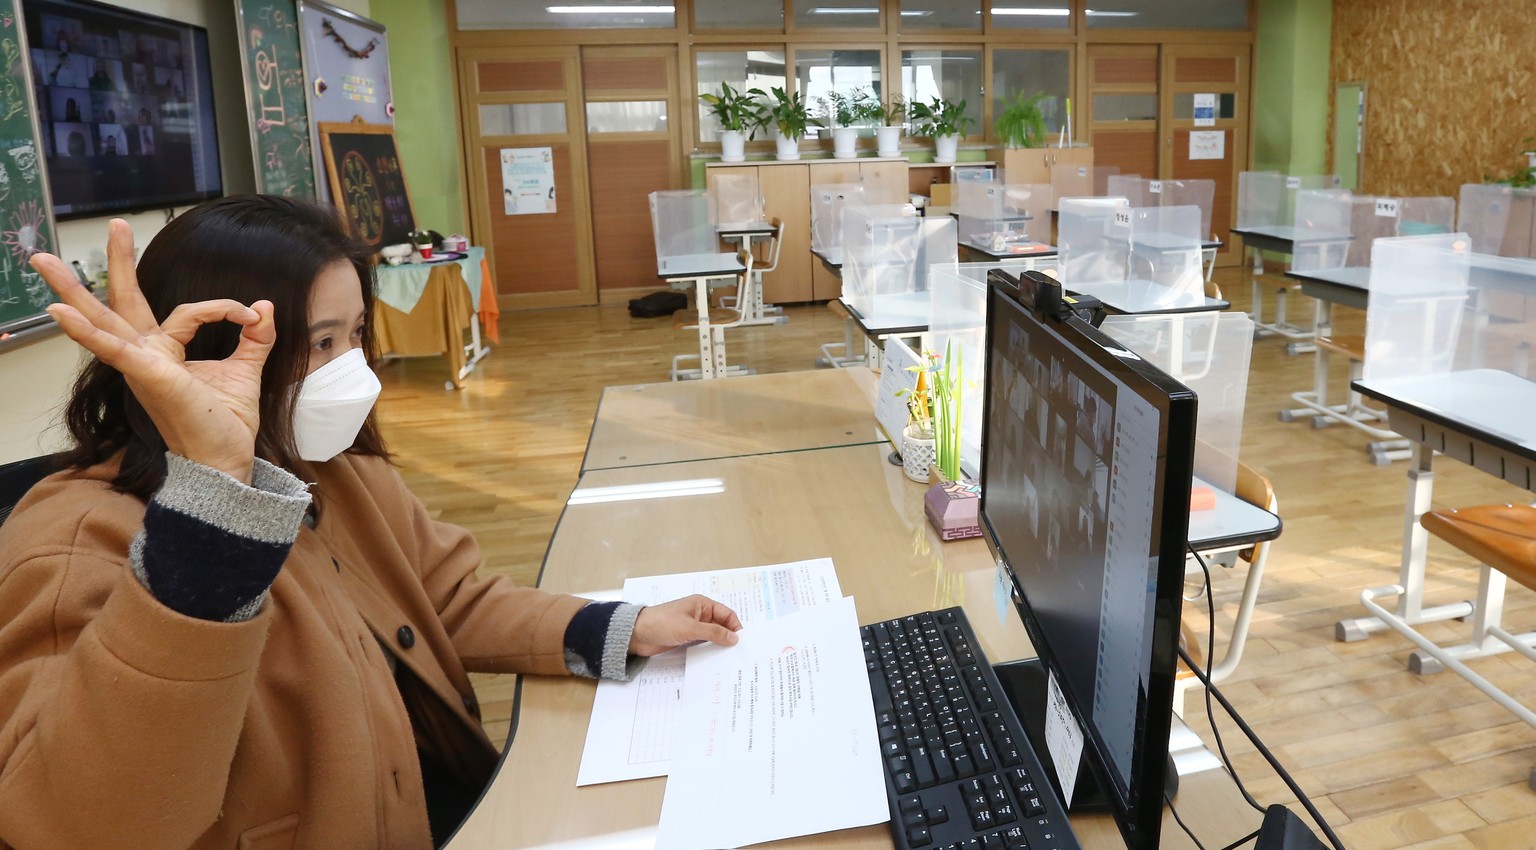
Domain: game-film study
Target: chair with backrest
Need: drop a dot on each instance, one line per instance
(710, 324)
(19, 477)
(756, 312)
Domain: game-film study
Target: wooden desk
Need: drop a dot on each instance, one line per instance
(846, 503)
(423, 309)
(788, 411)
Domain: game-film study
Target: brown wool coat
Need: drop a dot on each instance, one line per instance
(124, 724)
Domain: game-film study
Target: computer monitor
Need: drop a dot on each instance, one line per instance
(1087, 459)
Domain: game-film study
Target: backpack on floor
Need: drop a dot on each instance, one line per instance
(657, 304)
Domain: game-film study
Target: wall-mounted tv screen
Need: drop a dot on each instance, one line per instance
(125, 101)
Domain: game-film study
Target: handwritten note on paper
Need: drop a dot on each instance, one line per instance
(633, 723)
(1208, 144)
(778, 736)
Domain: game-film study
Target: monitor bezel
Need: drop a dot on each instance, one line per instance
(1139, 813)
(167, 202)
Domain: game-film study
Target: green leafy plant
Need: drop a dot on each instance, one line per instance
(735, 110)
(787, 112)
(867, 109)
(1022, 122)
(840, 109)
(1523, 177)
(933, 407)
(420, 238)
(940, 118)
(893, 113)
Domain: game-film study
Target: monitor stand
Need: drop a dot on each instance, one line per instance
(1025, 684)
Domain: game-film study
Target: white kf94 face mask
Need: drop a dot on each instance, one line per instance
(332, 406)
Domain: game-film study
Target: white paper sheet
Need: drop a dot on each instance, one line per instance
(777, 737)
(630, 734)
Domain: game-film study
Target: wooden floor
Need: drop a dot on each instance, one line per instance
(1392, 760)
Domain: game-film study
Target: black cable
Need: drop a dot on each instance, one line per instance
(1210, 712)
(1211, 691)
(1169, 800)
(1241, 841)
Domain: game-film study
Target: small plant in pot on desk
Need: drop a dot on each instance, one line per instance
(423, 242)
(932, 441)
(739, 114)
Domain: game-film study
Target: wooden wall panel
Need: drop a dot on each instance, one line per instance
(535, 253)
(787, 188)
(624, 73)
(1125, 70)
(1450, 89)
(1133, 151)
(1205, 69)
(623, 174)
(546, 75)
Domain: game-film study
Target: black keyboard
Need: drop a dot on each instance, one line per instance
(960, 774)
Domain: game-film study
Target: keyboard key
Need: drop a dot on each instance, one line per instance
(905, 782)
(910, 804)
(944, 617)
(915, 818)
(1013, 839)
(970, 844)
(1032, 807)
(921, 768)
(943, 767)
(938, 815)
(898, 763)
(983, 819)
(889, 732)
(992, 841)
(983, 755)
(1005, 813)
(919, 837)
(892, 748)
(964, 765)
(976, 802)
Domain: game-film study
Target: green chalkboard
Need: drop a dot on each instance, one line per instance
(274, 94)
(26, 216)
(367, 182)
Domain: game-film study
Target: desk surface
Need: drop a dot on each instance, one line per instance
(789, 411)
(698, 265)
(744, 228)
(1492, 405)
(1284, 238)
(845, 503)
(1146, 298)
(894, 315)
(986, 250)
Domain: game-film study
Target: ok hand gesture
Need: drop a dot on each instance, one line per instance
(206, 410)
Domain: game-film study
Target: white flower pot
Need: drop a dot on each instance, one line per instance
(917, 454)
(888, 141)
(845, 142)
(1530, 159)
(786, 148)
(733, 146)
(945, 148)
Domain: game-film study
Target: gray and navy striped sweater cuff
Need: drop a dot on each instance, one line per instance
(212, 546)
(597, 641)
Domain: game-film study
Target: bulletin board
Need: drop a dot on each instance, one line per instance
(274, 96)
(346, 71)
(26, 211)
(367, 181)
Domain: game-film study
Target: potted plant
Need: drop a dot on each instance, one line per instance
(946, 122)
(842, 113)
(890, 118)
(1022, 122)
(1529, 143)
(787, 117)
(422, 239)
(932, 435)
(739, 114)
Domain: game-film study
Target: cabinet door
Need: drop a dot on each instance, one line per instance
(885, 182)
(787, 195)
(744, 176)
(833, 172)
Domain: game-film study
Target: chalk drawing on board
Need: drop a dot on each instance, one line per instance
(361, 191)
(26, 161)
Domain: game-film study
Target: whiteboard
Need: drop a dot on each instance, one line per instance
(346, 74)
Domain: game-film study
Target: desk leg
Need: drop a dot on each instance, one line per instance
(1410, 603)
(706, 338)
(1210, 263)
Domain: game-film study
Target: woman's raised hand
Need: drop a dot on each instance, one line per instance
(206, 410)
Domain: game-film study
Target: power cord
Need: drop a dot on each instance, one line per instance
(1180, 821)
(1211, 691)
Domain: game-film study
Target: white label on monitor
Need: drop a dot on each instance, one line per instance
(1155, 187)
(1293, 182)
(1002, 591)
(1063, 739)
(1386, 207)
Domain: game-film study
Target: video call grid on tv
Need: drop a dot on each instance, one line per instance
(108, 91)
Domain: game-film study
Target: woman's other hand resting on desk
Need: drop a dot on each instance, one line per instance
(687, 620)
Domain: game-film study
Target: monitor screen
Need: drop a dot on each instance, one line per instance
(125, 102)
(1087, 456)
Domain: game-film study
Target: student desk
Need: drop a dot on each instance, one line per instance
(1480, 417)
(782, 412)
(754, 311)
(847, 503)
(1282, 239)
(1045, 258)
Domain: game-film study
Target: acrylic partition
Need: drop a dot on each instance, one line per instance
(1355, 222)
(1500, 219)
(1135, 189)
(1004, 219)
(1082, 181)
(1165, 249)
(958, 298)
(1091, 246)
(683, 222)
(1143, 192)
(737, 199)
(1209, 353)
(887, 252)
(1417, 321)
(827, 203)
(1322, 221)
(1268, 198)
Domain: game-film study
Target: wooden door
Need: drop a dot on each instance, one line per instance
(1219, 71)
(633, 148)
(520, 100)
(1122, 112)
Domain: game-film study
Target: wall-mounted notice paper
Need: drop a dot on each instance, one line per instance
(1208, 144)
(1205, 110)
(777, 736)
(630, 734)
(527, 181)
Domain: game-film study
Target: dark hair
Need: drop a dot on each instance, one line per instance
(245, 247)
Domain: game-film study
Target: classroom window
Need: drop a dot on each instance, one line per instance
(1169, 14)
(818, 73)
(522, 119)
(737, 15)
(742, 69)
(951, 15)
(564, 14)
(1031, 15)
(627, 116)
(1030, 71)
(953, 75)
(1125, 107)
(837, 14)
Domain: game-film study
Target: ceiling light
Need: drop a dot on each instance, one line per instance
(838, 10)
(1097, 14)
(609, 10)
(1026, 10)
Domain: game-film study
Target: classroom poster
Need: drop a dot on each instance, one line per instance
(527, 181)
(1205, 110)
(1208, 144)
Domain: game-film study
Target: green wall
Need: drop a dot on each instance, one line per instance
(421, 72)
(1291, 83)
